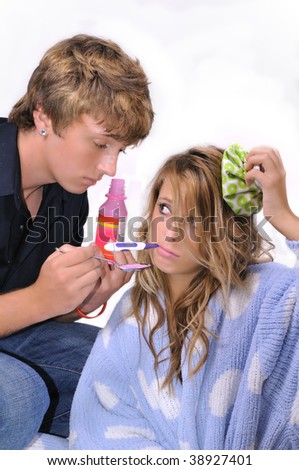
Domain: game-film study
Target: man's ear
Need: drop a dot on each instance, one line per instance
(41, 120)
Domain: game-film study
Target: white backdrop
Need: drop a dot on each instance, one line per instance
(221, 71)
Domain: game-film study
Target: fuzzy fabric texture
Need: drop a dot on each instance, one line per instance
(246, 396)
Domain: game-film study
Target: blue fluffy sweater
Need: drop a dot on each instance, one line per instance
(246, 396)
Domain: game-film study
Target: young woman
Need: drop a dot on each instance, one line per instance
(203, 351)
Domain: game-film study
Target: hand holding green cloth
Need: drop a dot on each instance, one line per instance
(242, 199)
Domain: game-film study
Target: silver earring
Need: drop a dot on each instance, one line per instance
(43, 132)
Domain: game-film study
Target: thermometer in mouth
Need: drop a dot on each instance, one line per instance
(126, 246)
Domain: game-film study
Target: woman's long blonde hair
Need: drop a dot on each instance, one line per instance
(228, 244)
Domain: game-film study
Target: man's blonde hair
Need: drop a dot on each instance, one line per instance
(87, 74)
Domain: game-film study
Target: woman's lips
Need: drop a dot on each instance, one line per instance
(166, 253)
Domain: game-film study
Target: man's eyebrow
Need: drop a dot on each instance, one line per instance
(101, 133)
(109, 136)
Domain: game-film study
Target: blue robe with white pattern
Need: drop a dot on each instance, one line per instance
(246, 396)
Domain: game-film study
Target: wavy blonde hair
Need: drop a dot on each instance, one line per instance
(228, 244)
(87, 74)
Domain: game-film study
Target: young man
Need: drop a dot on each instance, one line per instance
(85, 102)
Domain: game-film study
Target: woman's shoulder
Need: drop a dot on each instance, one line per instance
(266, 284)
(273, 271)
(121, 318)
(272, 282)
(122, 309)
(117, 342)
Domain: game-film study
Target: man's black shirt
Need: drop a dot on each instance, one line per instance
(26, 243)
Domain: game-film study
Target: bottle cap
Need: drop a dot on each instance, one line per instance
(117, 189)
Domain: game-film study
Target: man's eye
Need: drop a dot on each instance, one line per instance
(100, 146)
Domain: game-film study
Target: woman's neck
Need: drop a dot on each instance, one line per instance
(178, 285)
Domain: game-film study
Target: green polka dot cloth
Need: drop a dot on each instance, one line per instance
(242, 199)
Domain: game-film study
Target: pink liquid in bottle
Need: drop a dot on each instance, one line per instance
(112, 217)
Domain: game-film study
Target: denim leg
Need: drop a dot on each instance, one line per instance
(58, 352)
(24, 400)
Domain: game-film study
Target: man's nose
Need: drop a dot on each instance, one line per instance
(108, 165)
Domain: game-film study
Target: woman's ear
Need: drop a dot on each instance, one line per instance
(42, 122)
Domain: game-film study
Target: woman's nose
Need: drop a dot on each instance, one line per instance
(174, 230)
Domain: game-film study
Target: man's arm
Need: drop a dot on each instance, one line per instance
(63, 283)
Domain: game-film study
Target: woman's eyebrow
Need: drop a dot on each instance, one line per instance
(165, 199)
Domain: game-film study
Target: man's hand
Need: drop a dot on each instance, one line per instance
(110, 283)
(66, 279)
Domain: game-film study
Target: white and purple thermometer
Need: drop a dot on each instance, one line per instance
(126, 246)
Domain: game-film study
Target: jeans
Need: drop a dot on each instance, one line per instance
(39, 371)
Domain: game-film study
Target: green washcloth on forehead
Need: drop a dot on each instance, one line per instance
(242, 199)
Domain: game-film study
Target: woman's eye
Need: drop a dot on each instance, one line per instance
(164, 209)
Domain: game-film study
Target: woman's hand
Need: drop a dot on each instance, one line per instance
(271, 176)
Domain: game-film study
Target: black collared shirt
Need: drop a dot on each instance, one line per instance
(25, 243)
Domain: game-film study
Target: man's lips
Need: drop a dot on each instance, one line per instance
(90, 181)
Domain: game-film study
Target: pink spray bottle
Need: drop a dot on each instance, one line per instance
(112, 217)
